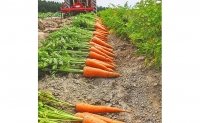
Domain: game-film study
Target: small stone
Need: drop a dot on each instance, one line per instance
(89, 98)
(142, 105)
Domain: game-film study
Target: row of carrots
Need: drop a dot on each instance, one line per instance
(101, 64)
(101, 57)
(78, 50)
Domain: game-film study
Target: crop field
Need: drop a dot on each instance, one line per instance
(48, 14)
(101, 67)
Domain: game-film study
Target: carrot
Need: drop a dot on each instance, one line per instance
(111, 70)
(94, 55)
(94, 49)
(108, 65)
(102, 25)
(100, 22)
(91, 119)
(105, 39)
(99, 27)
(96, 64)
(104, 32)
(101, 36)
(105, 48)
(96, 72)
(105, 51)
(107, 120)
(100, 33)
(100, 42)
(83, 107)
(111, 63)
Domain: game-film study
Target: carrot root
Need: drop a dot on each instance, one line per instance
(83, 107)
(96, 72)
(100, 42)
(91, 119)
(107, 120)
(94, 55)
(96, 64)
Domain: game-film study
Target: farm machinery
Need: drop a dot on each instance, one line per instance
(78, 6)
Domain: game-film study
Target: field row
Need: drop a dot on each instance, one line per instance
(141, 25)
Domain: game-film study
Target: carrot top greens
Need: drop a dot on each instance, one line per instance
(49, 109)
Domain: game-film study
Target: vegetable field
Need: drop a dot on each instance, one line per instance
(141, 25)
(107, 64)
(48, 14)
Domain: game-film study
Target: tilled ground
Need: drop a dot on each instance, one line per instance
(138, 89)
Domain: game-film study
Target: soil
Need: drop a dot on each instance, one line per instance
(138, 89)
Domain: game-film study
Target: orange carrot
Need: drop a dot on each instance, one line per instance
(101, 31)
(94, 49)
(100, 42)
(83, 107)
(94, 55)
(107, 120)
(103, 26)
(100, 22)
(108, 65)
(111, 63)
(103, 47)
(105, 51)
(99, 27)
(96, 72)
(96, 64)
(111, 70)
(100, 35)
(91, 119)
(105, 39)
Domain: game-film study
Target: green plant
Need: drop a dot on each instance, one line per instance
(141, 25)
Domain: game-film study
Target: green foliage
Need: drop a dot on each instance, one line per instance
(50, 109)
(85, 21)
(48, 14)
(141, 25)
(65, 50)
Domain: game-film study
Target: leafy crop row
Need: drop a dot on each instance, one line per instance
(81, 48)
(48, 14)
(141, 25)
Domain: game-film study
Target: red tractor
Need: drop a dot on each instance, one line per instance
(78, 6)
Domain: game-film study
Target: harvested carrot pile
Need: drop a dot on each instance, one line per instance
(82, 48)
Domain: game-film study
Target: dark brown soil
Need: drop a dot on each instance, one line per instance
(138, 89)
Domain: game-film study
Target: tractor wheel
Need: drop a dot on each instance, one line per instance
(95, 5)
